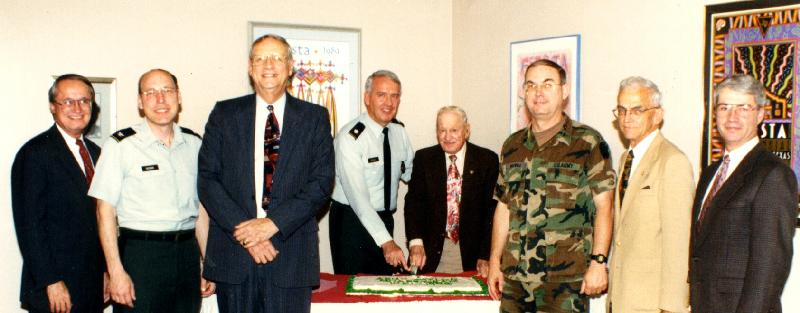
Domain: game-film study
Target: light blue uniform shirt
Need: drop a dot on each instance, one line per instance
(359, 170)
(153, 187)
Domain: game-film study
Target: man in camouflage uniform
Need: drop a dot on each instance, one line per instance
(552, 225)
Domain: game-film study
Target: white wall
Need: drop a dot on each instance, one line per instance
(204, 43)
(446, 52)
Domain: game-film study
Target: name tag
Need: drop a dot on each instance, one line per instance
(372, 160)
(153, 167)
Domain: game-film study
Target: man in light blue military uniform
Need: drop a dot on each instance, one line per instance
(147, 184)
(373, 153)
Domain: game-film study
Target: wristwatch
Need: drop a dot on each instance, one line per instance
(599, 258)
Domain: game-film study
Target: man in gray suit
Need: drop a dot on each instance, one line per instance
(744, 212)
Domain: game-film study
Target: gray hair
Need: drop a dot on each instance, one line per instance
(274, 37)
(453, 109)
(382, 73)
(745, 84)
(51, 93)
(637, 82)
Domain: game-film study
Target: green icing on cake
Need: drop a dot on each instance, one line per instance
(437, 281)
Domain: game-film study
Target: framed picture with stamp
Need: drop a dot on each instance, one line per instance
(563, 50)
(327, 62)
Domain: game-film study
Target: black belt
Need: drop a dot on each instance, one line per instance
(179, 235)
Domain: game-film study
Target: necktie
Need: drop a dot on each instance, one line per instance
(87, 161)
(453, 199)
(719, 180)
(387, 171)
(626, 174)
(272, 140)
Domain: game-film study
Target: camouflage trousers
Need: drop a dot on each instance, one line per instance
(528, 297)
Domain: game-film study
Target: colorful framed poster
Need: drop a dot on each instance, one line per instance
(762, 39)
(564, 50)
(326, 66)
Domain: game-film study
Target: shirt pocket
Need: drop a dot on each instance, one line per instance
(566, 254)
(373, 171)
(563, 181)
(516, 179)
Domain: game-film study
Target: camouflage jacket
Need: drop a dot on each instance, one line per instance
(549, 191)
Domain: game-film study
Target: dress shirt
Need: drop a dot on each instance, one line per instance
(74, 148)
(460, 155)
(359, 170)
(640, 149)
(736, 156)
(152, 186)
(258, 142)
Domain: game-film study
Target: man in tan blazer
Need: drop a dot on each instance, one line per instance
(652, 210)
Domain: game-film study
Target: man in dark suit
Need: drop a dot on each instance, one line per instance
(54, 217)
(449, 205)
(262, 243)
(744, 212)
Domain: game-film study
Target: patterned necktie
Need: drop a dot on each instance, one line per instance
(719, 180)
(272, 140)
(453, 199)
(626, 174)
(387, 171)
(87, 161)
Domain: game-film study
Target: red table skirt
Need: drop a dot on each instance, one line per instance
(332, 290)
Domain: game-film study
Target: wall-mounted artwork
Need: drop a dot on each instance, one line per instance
(564, 51)
(762, 39)
(326, 66)
(105, 120)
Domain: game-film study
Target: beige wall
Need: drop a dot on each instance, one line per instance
(444, 51)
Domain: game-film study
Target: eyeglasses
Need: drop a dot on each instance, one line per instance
(264, 58)
(726, 108)
(546, 86)
(164, 92)
(634, 111)
(71, 103)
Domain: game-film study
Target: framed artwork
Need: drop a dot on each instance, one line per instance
(761, 39)
(565, 51)
(327, 65)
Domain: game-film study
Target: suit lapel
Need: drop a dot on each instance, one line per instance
(289, 134)
(467, 175)
(65, 158)
(247, 117)
(638, 177)
(731, 186)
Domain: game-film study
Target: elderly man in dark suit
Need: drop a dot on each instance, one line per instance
(744, 212)
(262, 242)
(449, 205)
(63, 266)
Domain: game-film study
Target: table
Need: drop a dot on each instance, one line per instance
(330, 297)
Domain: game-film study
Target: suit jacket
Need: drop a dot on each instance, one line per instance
(55, 223)
(648, 269)
(742, 252)
(302, 184)
(426, 204)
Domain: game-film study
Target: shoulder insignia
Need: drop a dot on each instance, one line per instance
(396, 121)
(190, 132)
(357, 130)
(123, 133)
